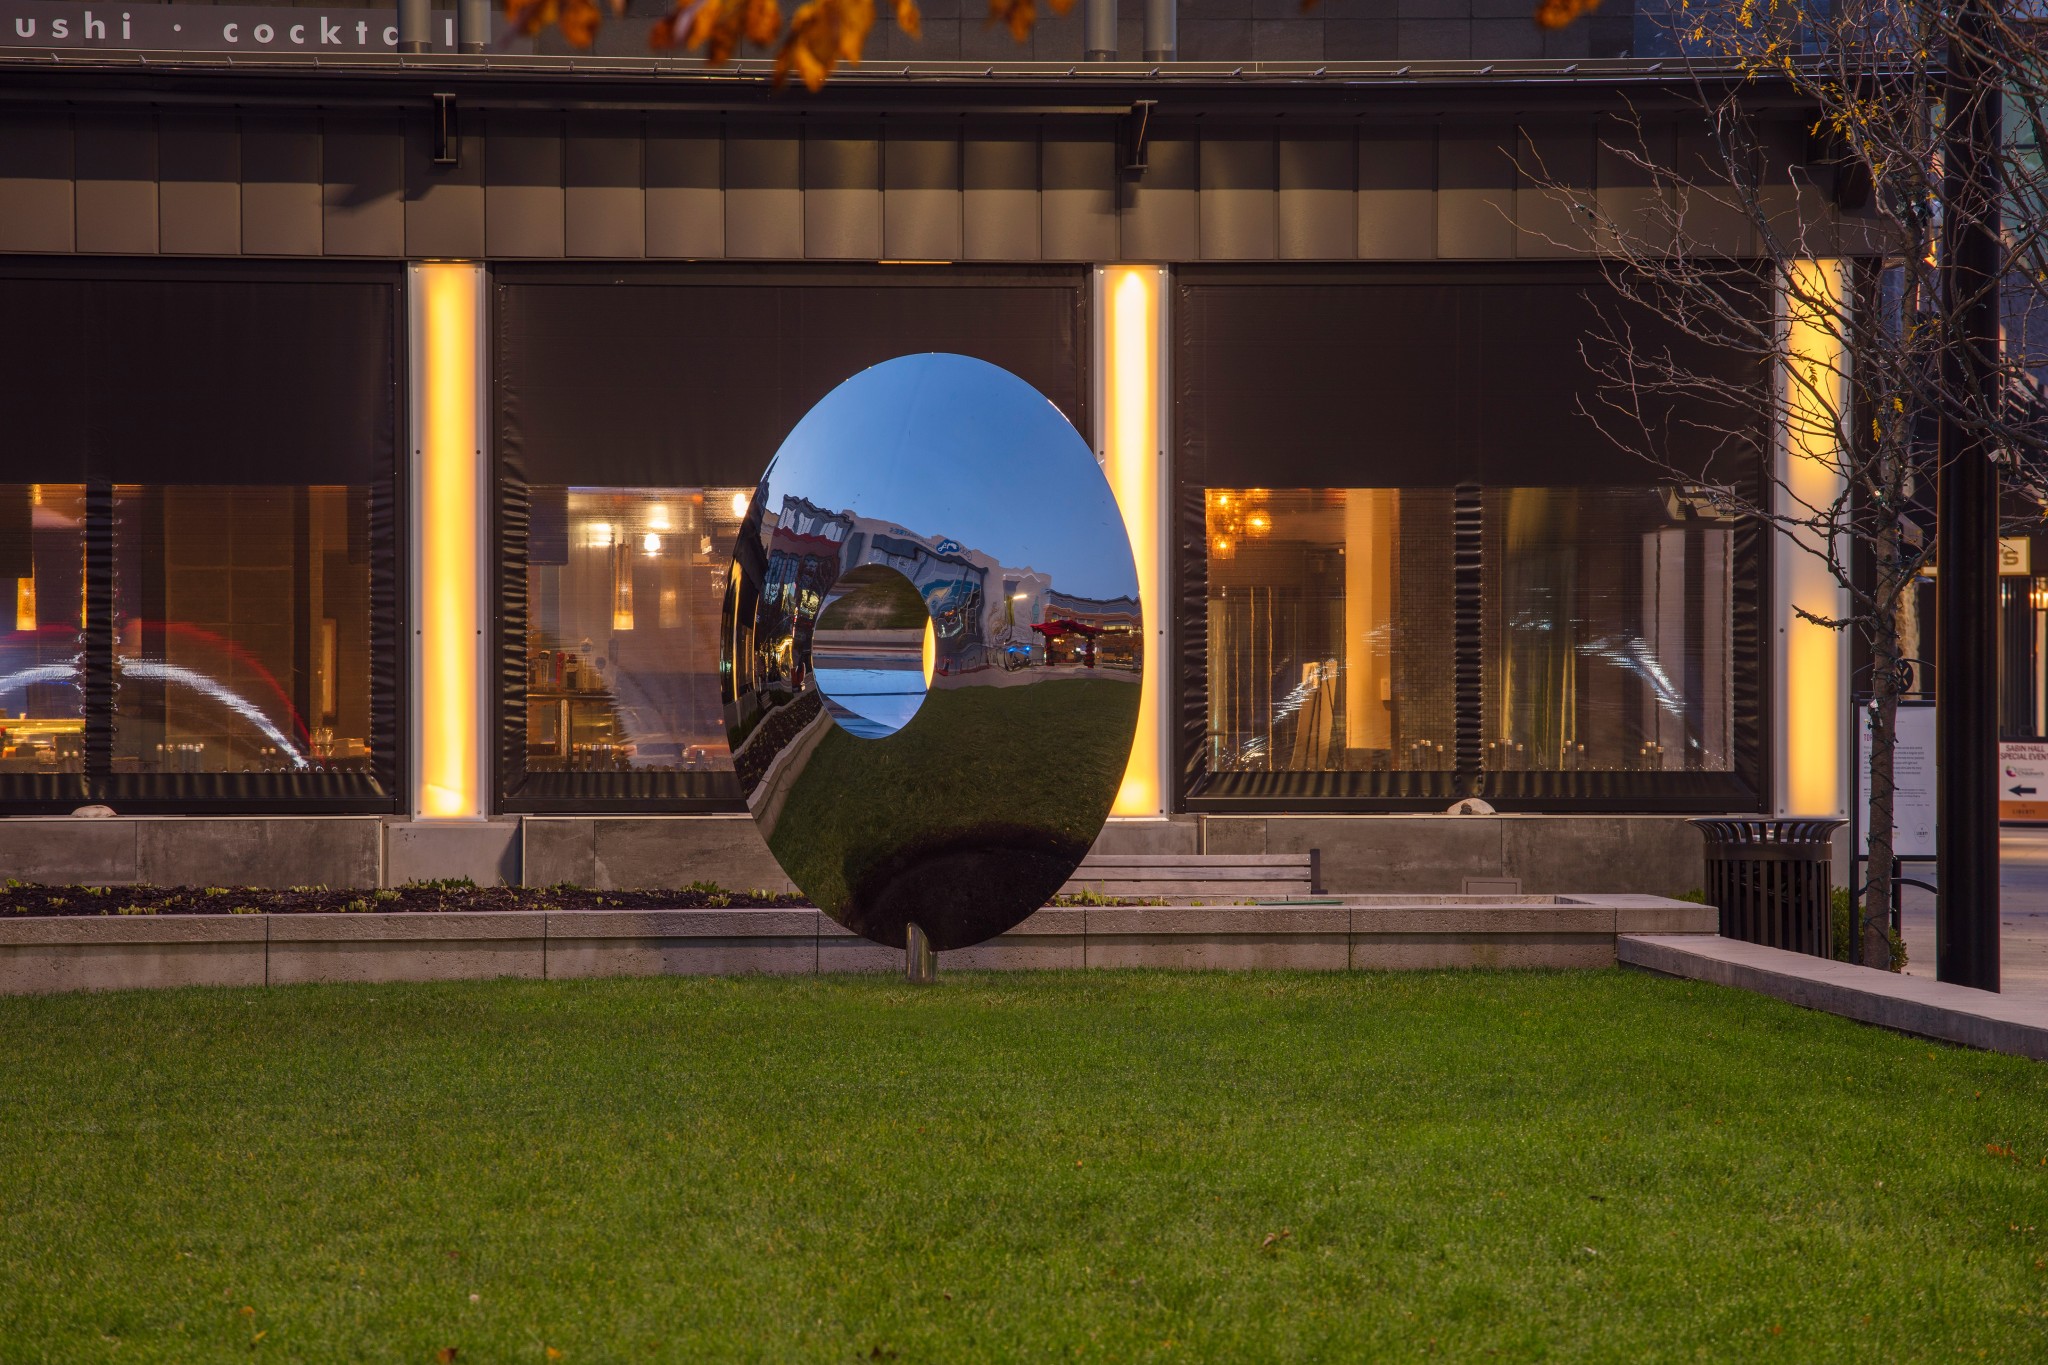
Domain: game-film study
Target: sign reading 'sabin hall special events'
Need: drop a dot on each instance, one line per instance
(61, 24)
(2023, 781)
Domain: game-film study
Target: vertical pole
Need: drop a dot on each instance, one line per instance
(1099, 44)
(472, 24)
(920, 963)
(1966, 536)
(1162, 30)
(415, 22)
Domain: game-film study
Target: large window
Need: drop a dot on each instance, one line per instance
(1329, 631)
(242, 630)
(196, 510)
(638, 410)
(1608, 638)
(1421, 573)
(623, 592)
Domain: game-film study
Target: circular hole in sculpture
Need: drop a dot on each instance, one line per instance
(872, 650)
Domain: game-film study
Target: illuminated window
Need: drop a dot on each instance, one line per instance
(1604, 635)
(1607, 636)
(42, 566)
(198, 550)
(623, 592)
(242, 620)
(1329, 630)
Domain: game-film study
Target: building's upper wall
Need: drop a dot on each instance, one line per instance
(130, 180)
(1209, 31)
(1236, 31)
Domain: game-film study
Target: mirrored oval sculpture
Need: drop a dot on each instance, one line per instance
(931, 651)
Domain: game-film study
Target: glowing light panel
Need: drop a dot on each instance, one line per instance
(1816, 666)
(1131, 303)
(447, 307)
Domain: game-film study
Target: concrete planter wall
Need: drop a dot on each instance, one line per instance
(114, 953)
(1401, 854)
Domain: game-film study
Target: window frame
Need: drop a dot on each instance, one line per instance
(237, 793)
(514, 790)
(1746, 787)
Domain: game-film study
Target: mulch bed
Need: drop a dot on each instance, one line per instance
(30, 898)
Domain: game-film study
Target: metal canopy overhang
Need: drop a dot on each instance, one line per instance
(1381, 90)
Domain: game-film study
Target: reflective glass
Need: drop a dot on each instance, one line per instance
(242, 629)
(1607, 623)
(1330, 625)
(624, 587)
(42, 601)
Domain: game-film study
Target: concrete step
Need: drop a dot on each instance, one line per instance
(2016, 1024)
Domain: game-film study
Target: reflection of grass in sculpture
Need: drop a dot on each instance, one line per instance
(859, 795)
(883, 600)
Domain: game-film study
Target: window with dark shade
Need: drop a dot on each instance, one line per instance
(197, 538)
(637, 412)
(1466, 588)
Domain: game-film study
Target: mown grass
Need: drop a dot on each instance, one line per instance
(1107, 1166)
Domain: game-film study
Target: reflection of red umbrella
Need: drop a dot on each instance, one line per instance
(1065, 625)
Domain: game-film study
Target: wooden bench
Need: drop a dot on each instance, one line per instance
(1184, 877)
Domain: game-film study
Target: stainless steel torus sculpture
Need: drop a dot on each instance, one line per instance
(931, 651)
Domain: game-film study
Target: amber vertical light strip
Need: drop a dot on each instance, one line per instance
(446, 309)
(1813, 676)
(1130, 303)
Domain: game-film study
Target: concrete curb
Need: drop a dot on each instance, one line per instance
(131, 952)
(1926, 1009)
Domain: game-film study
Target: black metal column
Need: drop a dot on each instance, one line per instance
(1966, 926)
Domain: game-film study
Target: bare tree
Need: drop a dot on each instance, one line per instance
(1797, 241)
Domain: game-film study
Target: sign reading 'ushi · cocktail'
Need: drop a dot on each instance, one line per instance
(62, 25)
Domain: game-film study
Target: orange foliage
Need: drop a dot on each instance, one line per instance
(819, 36)
(1559, 13)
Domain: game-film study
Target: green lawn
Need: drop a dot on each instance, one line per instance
(1106, 1166)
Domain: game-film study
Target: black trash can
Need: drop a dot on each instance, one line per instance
(1772, 881)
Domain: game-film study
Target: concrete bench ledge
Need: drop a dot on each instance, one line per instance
(123, 952)
(1909, 1004)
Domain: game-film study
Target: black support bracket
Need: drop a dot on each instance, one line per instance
(447, 132)
(1137, 125)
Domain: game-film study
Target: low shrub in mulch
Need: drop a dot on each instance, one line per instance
(32, 898)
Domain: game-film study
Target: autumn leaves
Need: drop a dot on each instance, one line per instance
(818, 36)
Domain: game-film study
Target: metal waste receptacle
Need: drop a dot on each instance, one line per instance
(1772, 881)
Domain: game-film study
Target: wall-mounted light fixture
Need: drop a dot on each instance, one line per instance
(446, 303)
(1131, 426)
(1813, 678)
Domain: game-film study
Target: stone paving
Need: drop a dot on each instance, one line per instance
(2023, 915)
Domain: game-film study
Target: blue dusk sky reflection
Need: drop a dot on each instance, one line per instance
(946, 445)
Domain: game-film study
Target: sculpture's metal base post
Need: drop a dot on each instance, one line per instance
(920, 963)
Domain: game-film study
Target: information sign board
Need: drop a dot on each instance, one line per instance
(1913, 781)
(2023, 780)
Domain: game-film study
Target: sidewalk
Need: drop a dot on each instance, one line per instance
(2013, 1021)
(2023, 916)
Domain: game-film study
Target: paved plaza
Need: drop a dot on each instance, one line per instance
(2023, 938)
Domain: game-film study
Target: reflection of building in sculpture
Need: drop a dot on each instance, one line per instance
(1116, 621)
(980, 608)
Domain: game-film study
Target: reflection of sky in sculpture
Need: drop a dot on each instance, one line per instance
(872, 702)
(969, 408)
